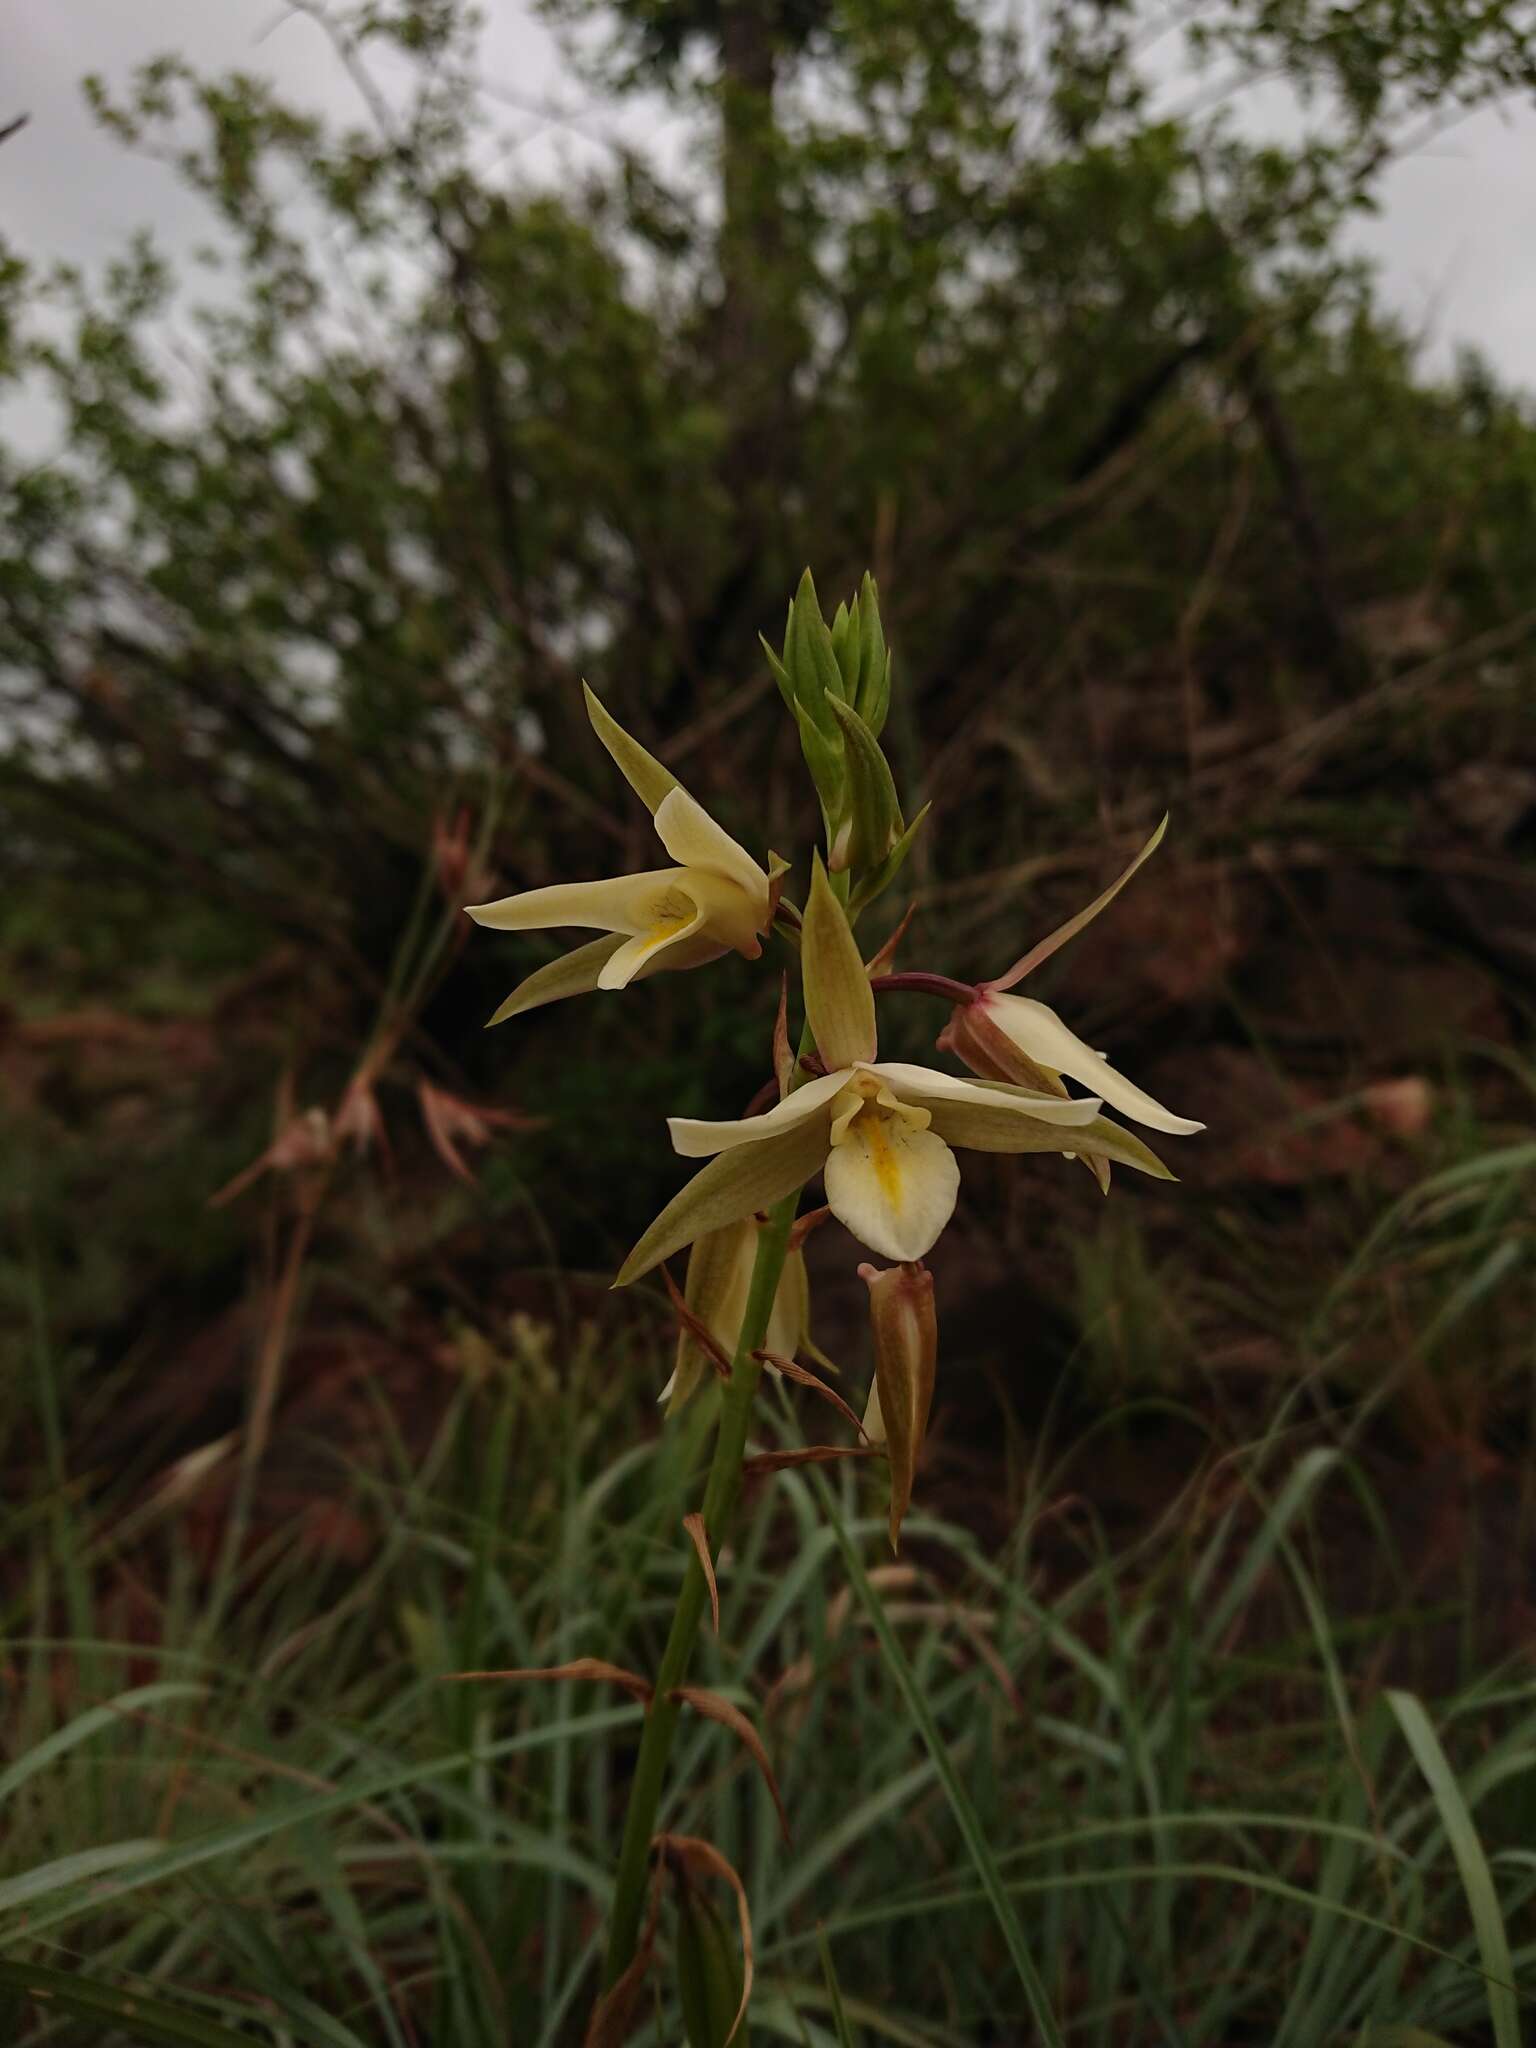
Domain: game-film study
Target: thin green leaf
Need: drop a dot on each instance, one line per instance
(977, 1846)
(1476, 1878)
(143, 2018)
(110, 1714)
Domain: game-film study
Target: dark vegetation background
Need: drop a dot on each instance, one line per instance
(1165, 515)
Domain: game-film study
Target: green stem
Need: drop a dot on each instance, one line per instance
(719, 1504)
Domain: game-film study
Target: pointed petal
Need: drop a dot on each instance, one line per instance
(642, 771)
(926, 1086)
(892, 1185)
(1047, 946)
(695, 1139)
(694, 840)
(573, 974)
(625, 904)
(1040, 1034)
(737, 1184)
(839, 1002)
(978, 1129)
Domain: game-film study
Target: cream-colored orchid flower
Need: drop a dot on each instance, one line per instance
(1014, 1039)
(718, 1281)
(880, 1132)
(716, 899)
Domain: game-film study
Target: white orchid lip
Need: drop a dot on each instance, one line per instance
(869, 1094)
(890, 1178)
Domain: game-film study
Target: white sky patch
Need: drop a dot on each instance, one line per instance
(1454, 238)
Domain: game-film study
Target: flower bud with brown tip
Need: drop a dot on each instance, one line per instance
(906, 1331)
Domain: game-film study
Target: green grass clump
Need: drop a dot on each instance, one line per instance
(266, 1817)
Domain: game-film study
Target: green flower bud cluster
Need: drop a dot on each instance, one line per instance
(836, 681)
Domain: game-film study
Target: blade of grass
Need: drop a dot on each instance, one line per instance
(834, 1988)
(978, 1848)
(143, 2019)
(228, 1841)
(108, 1715)
(79, 1867)
(1476, 1878)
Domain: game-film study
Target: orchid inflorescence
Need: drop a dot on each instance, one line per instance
(880, 1134)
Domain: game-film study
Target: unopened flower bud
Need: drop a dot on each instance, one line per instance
(906, 1332)
(1015, 1039)
(836, 680)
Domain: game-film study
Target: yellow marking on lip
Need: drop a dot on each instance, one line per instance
(667, 928)
(671, 913)
(882, 1156)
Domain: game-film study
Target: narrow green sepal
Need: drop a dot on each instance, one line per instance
(809, 657)
(877, 883)
(780, 673)
(873, 698)
(845, 645)
(873, 808)
(824, 758)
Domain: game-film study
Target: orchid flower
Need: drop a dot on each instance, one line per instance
(1015, 1039)
(716, 899)
(880, 1132)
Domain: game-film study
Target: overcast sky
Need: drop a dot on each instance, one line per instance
(1456, 239)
